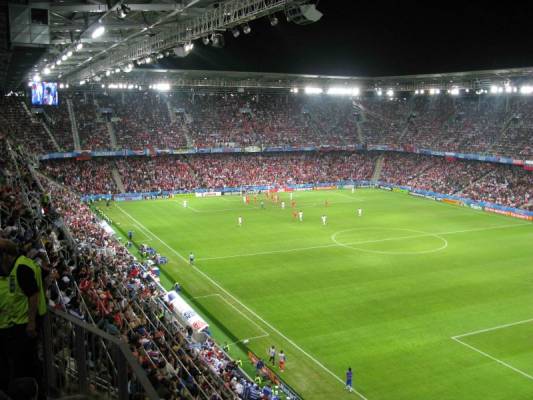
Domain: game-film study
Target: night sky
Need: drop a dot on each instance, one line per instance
(376, 38)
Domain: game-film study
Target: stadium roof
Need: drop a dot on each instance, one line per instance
(230, 79)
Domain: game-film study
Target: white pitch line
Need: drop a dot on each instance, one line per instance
(240, 312)
(256, 315)
(493, 358)
(250, 338)
(137, 223)
(494, 328)
(359, 243)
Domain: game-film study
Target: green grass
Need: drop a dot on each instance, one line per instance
(384, 293)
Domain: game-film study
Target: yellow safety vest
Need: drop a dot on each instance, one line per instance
(14, 303)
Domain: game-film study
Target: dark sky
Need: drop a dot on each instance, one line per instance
(374, 38)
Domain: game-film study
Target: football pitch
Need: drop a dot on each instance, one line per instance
(422, 299)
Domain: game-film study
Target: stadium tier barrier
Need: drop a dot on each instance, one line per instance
(87, 154)
(462, 201)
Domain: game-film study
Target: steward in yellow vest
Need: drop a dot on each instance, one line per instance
(22, 299)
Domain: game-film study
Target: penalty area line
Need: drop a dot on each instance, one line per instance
(524, 374)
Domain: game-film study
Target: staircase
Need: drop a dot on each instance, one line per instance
(73, 125)
(52, 138)
(118, 180)
(377, 169)
(112, 136)
(98, 115)
(30, 115)
(188, 121)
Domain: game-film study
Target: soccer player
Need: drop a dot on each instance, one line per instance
(353, 190)
(293, 204)
(282, 360)
(290, 196)
(272, 355)
(191, 258)
(185, 203)
(247, 199)
(244, 199)
(283, 205)
(326, 204)
(349, 377)
(255, 199)
(239, 220)
(301, 216)
(359, 212)
(130, 235)
(262, 204)
(294, 215)
(324, 219)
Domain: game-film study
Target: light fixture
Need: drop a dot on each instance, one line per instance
(122, 11)
(235, 32)
(36, 78)
(79, 46)
(147, 60)
(117, 70)
(246, 29)
(312, 90)
(46, 71)
(64, 57)
(217, 40)
(205, 40)
(69, 54)
(273, 20)
(390, 92)
(107, 73)
(99, 31)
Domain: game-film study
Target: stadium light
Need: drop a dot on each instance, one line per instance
(454, 91)
(36, 78)
(343, 91)
(58, 62)
(273, 20)
(312, 90)
(294, 90)
(61, 86)
(30, 83)
(64, 57)
(79, 46)
(246, 29)
(99, 31)
(379, 92)
(494, 89)
(205, 40)
(69, 54)
(390, 92)
(526, 89)
(235, 32)
(161, 86)
(46, 71)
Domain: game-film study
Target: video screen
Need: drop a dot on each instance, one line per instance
(44, 94)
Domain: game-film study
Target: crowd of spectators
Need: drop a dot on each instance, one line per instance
(92, 276)
(499, 125)
(92, 128)
(506, 185)
(24, 131)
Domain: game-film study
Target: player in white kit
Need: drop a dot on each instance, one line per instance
(185, 203)
(359, 212)
(324, 219)
(301, 216)
(283, 205)
(239, 221)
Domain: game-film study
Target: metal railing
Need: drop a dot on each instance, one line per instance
(75, 361)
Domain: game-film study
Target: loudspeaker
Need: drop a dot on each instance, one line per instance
(302, 14)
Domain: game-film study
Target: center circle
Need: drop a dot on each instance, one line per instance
(414, 234)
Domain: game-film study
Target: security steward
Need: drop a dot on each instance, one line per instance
(22, 301)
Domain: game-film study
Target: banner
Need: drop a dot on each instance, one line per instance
(208, 194)
(184, 311)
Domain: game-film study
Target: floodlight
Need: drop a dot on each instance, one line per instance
(246, 29)
(235, 32)
(99, 31)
